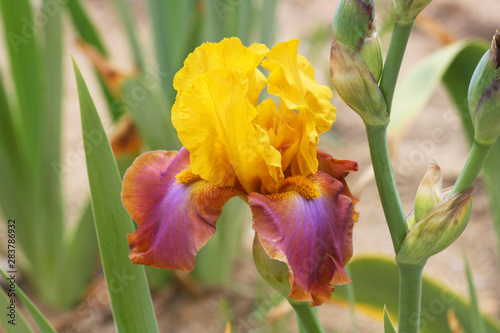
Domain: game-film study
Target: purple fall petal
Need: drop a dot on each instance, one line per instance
(308, 225)
(175, 218)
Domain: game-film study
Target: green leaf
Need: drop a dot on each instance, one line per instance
(87, 32)
(84, 27)
(175, 26)
(50, 141)
(128, 289)
(78, 261)
(477, 321)
(150, 113)
(491, 180)
(21, 325)
(25, 63)
(388, 326)
(215, 12)
(268, 22)
(351, 298)
(245, 16)
(376, 281)
(42, 323)
(419, 84)
(215, 261)
(11, 155)
(124, 8)
(26, 60)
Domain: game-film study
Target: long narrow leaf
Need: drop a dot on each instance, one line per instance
(84, 27)
(150, 113)
(215, 13)
(19, 325)
(88, 33)
(351, 297)
(245, 16)
(128, 289)
(42, 323)
(216, 259)
(388, 326)
(160, 16)
(123, 7)
(174, 26)
(268, 22)
(420, 83)
(50, 139)
(25, 64)
(475, 314)
(79, 260)
(375, 278)
(11, 157)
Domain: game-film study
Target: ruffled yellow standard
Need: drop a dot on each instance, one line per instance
(303, 212)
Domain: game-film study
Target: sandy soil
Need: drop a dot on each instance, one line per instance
(304, 19)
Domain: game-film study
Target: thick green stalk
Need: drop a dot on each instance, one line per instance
(302, 329)
(410, 297)
(472, 168)
(308, 316)
(386, 184)
(392, 65)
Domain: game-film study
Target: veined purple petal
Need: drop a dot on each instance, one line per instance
(339, 169)
(176, 210)
(307, 225)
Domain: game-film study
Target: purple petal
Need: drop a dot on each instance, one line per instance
(176, 210)
(308, 225)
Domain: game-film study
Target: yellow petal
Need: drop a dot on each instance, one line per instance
(292, 80)
(215, 122)
(257, 82)
(229, 53)
(293, 134)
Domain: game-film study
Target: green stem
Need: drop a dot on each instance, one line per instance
(307, 316)
(386, 184)
(392, 64)
(410, 296)
(477, 156)
(302, 329)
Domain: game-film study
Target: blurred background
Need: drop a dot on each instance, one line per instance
(122, 42)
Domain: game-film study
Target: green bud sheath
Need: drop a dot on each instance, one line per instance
(274, 272)
(353, 22)
(429, 191)
(484, 95)
(407, 10)
(354, 26)
(487, 117)
(437, 229)
(371, 53)
(410, 220)
(356, 85)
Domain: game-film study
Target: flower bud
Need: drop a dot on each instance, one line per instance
(429, 191)
(354, 26)
(356, 60)
(272, 271)
(484, 95)
(436, 229)
(407, 10)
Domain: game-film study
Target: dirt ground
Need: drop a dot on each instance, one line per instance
(179, 311)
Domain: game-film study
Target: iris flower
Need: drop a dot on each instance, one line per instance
(264, 153)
